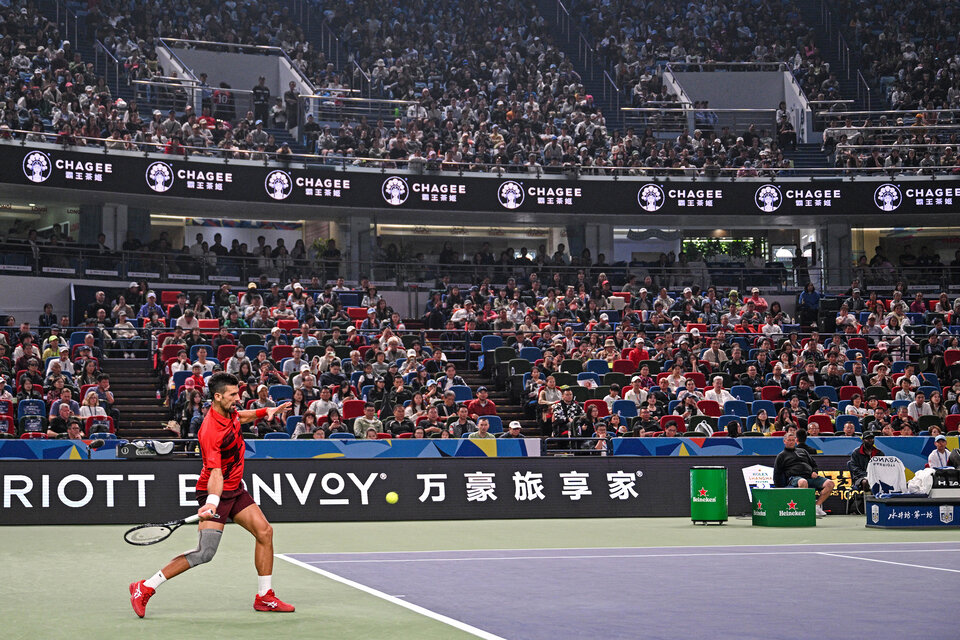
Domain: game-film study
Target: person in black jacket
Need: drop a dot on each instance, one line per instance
(860, 458)
(795, 467)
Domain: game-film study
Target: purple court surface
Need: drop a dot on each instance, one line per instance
(855, 590)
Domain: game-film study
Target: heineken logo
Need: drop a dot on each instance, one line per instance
(792, 510)
(702, 497)
(759, 505)
(791, 505)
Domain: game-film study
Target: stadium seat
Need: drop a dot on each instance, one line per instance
(681, 423)
(462, 393)
(289, 326)
(34, 435)
(496, 424)
(599, 367)
(280, 393)
(8, 426)
(226, 351)
(736, 408)
(572, 366)
(847, 393)
(280, 352)
(343, 435)
(292, 423)
(742, 392)
(31, 408)
(710, 408)
(825, 423)
(531, 353)
(277, 435)
(196, 348)
(601, 405)
(208, 324)
(588, 375)
(352, 409)
(724, 420)
(98, 423)
(769, 406)
(826, 391)
(626, 367)
(952, 422)
(626, 408)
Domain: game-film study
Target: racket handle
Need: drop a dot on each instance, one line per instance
(196, 518)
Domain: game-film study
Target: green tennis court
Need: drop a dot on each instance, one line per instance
(71, 581)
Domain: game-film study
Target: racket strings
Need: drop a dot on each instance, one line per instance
(148, 534)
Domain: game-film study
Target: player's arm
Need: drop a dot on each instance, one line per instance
(214, 489)
(249, 415)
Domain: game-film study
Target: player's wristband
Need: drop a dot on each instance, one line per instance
(261, 413)
(213, 499)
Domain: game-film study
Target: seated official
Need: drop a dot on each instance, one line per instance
(860, 458)
(940, 456)
(795, 467)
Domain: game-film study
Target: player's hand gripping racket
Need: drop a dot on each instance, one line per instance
(146, 534)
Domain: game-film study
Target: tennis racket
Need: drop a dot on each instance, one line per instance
(147, 534)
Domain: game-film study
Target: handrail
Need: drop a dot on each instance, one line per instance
(684, 110)
(232, 45)
(905, 146)
(713, 65)
(183, 65)
(98, 47)
(899, 127)
(862, 82)
(349, 99)
(911, 112)
(848, 101)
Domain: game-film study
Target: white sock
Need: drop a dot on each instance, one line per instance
(263, 584)
(156, 580)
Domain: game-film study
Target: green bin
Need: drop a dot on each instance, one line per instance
(708, 495)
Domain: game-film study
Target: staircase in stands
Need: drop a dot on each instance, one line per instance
(86, 45)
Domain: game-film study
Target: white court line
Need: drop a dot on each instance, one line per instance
(712, 546)
(439, 617)
(902, 564)
(618, 556)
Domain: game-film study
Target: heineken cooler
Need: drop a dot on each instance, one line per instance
(708, 495)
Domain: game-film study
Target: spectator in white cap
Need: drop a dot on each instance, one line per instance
(759, 304)
(514, 430)
(940, 456)
(150, 306)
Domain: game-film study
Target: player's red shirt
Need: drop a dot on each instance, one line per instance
(221, 447)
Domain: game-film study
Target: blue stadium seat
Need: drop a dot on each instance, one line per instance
(277, 435)
(531, 353)
(210, 352)
(342, 435)
(31, 408)
(599, 367)
(589, 375)
(898, 366)
(844, 419)
(180, 377)
(365, 390)
(626, 408)
(930, 379)
(280, 392)
(826, 391)
(252, 350)
(757, 405)
(736, 408)
(292, 423)
(462, 392)
(724, 420)
(496, 423)
(742, 392)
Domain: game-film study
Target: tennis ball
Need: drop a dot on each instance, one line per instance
(392, 497)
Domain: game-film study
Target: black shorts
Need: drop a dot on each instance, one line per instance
(231, 503)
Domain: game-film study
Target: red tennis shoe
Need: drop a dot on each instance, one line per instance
(270, 602)
(139, 597)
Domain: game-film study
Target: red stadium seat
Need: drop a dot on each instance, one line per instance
(288, 325)
(710, 408)
(681, 423)
(847, 393)
(281, 351)
(171, 351)
(601, 405)
(698, 378)
(951, 357)
(952, 422)
(34, 435)
(94, 424)
(357, 313)
(352, 409)
(826, 424)
(225, 352)
(627, 367)
(771, 392)
(208, 324)
(168, 298)
(384, 436)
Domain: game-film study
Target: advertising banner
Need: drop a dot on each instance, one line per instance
(322, 490)
(209, 179)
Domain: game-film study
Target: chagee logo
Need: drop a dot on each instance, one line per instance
(159, 176)
(510, 195)
(650, 197)
(768, 198)
(36, 166)
(278, 184)
(395, 191)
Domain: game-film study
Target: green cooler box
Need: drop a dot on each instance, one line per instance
(791, 507)
(708, 495)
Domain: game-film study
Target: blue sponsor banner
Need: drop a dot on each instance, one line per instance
(905, 513)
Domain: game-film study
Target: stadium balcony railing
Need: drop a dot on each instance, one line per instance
(570, 171)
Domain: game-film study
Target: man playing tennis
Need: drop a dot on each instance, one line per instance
(221, 495)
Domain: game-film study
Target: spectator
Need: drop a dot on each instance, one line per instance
(795, 467)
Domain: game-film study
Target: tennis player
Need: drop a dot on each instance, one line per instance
(220, 491)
